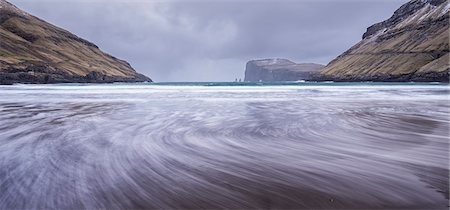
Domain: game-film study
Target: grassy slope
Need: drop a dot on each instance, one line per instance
(417, 45)
(28, 41)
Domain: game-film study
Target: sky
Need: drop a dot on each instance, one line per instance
(211, 40)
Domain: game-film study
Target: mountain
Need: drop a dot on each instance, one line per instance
(412, 45)
(270, 70)
(34, 51)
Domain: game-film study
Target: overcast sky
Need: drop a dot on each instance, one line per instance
(212, 40)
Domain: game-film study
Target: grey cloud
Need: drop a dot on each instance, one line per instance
(212, 40)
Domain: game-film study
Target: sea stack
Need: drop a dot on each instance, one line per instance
(277, 69)
(34, 51)
(412, 45)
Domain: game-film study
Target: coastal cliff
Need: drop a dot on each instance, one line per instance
(34, 51)
(270, 70)
(412, 45)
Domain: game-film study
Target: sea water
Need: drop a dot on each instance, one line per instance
(224, 145)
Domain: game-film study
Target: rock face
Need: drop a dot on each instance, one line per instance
(34, 51)
(412, 45)
(270, 70)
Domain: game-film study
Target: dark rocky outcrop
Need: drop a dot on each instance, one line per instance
(34, 51)
(412, 45)
(45, 75)
(400, 14)
(270, 70)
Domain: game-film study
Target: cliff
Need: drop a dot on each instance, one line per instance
(269, 70)
(412, 45)
(34, 51)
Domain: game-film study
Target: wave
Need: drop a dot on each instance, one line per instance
(141, 146)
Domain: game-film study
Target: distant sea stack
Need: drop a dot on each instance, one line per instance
(271, 70)
(412, 45)
(34, 51)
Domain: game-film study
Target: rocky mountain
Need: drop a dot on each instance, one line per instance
(270, 70)
(412, 45)
(34, 51)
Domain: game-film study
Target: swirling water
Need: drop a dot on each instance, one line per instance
(221, 146)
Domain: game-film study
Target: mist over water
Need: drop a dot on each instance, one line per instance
(197, 146)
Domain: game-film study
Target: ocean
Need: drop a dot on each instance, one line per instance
(224, 145)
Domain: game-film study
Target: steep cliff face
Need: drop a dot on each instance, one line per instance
(412, 45)
(269, 70)
(34, 51)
